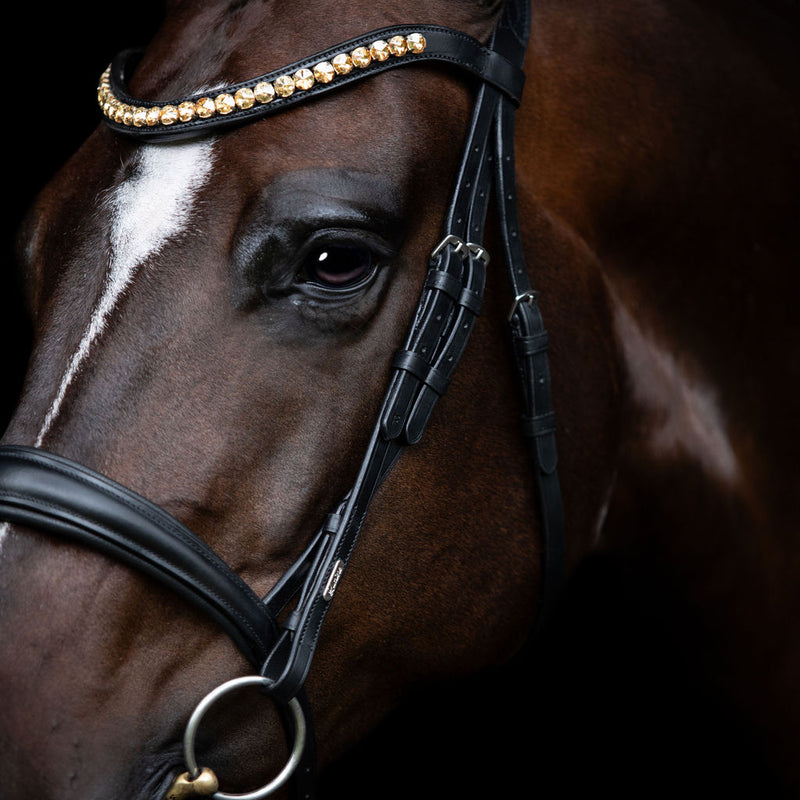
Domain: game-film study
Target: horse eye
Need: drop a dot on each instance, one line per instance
(338, 266)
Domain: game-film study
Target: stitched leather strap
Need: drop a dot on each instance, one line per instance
(530, 345)
(56, 495)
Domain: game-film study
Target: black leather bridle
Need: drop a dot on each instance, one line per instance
(61, 497)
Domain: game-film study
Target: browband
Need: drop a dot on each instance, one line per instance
(272, 92)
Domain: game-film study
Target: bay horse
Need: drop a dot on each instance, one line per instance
(658, 188)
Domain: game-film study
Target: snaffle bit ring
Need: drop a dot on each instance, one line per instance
(280, 779)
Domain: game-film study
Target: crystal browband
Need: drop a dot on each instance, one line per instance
(366, 55)
(262, 91)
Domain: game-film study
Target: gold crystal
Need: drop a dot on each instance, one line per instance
(284, 85)
(186, 111)
(224, 103)
(140, 117)
(245, 98)
(361, 57)
(324, 72)
(398, 46)
(127, 116)
(416, 42)
(379, 50)
(169, 115)
(342, 63)
(205, 108)
(264, 92)
(119, 112)
(153, 115)
(304, 79)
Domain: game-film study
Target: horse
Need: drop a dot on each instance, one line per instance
(657, 184)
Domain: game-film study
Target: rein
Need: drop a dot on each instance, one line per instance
(61, 497)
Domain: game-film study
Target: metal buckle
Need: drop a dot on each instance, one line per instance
(462, 248)
(526, 297)
(300, 732)
(459, 244)
(479, 252)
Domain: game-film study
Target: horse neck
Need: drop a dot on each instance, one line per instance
(650, 133)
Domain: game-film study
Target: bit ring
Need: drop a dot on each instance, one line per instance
(300, 733)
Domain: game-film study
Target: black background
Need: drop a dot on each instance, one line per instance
(605, 702)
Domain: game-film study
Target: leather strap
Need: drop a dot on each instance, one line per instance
(53, 494)
(436, 340)
(530, 346)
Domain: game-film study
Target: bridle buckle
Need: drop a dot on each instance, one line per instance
(526, 297)
(462, 248)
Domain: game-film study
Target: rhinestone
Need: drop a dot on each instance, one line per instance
(416, 42)
(186, 111)
(245, 98)
(127, 116)
(264, 92)
(361, 57)
(119, 112)
(324, 72)
(169, 114)
(304, 79)
(225, 103)
(398, 46)
(284, 85)
(379, 50)
(153, 115)
(342, 63)
(205, 107)
(140, 117)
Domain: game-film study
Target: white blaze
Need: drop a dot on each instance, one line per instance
(148, 209)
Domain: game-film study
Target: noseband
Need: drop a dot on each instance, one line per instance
(278, 634)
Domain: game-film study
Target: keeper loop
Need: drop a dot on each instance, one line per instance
(422, 370)
(531, 345)
(539, 425)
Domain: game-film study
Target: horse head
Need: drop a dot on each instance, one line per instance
(215, 320)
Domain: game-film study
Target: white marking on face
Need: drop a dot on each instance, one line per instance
(684, 409)
(151, 207)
